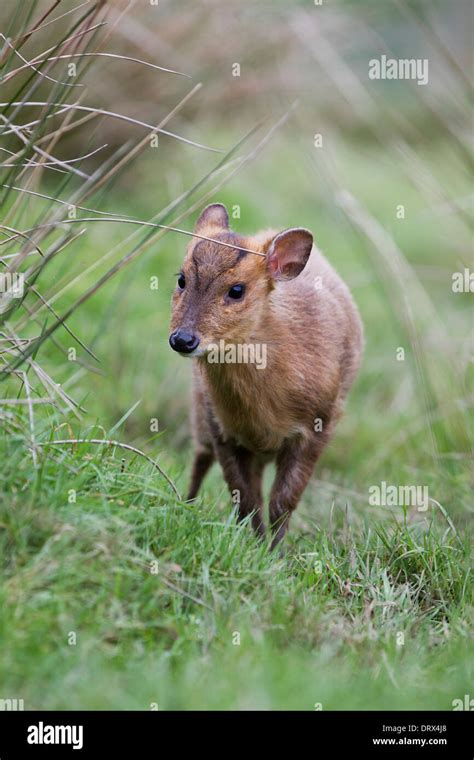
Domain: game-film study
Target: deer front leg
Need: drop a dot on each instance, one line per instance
(243, 477)
(295, 462)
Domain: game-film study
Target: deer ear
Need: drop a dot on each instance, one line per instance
(214, 215)
(288, 253)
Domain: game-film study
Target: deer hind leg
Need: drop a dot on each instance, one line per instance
(202, 462)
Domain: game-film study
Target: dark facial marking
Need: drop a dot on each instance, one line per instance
(204, 247)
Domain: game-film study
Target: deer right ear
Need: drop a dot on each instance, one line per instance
(214, 215)
(288, 253)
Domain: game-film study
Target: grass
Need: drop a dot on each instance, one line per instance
(177, 605)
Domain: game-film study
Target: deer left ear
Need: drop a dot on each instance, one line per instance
(214, 215)
(288, 253)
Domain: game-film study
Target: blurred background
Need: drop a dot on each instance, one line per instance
(272, 112)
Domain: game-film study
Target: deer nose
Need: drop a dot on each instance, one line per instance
(183, 342)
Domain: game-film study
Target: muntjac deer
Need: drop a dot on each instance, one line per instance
(273, 296)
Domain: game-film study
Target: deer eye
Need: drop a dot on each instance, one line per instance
(181, 281)
(236, 292)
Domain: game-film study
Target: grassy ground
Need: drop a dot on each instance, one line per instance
(115, 594)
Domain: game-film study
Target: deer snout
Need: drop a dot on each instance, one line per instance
(183, 342)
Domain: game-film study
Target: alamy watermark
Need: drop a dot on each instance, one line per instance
(463, 282)
(386, 495)
(399, 68)
(12, 284)
(467, 703)
(48, 734)
(237, 353)
(8, 705)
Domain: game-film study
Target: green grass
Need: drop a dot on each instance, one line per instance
(382, 622)
(360, 616)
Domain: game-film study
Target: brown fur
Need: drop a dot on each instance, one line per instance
(245, 416)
